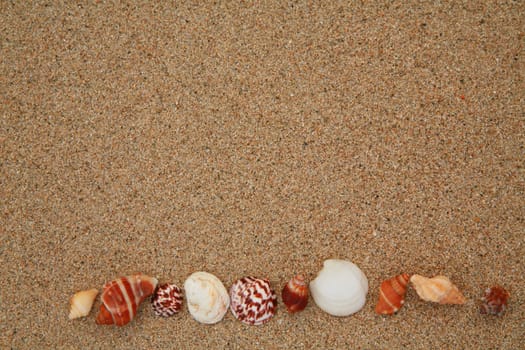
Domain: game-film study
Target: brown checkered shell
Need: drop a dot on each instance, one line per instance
(252, 300)
(167, 300)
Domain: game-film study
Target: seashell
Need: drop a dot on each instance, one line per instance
(253, 301)
(295, 294)
(438, 289)
(166, 300)
(495, 301)
(340, 288)
(122, 297)
(207, 297)
(81, 303)
(392, 294)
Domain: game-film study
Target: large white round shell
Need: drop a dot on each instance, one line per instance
(340, 288)
(206, 297)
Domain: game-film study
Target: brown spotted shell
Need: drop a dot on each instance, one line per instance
(252, 300)
(295, 294)
(495, 301)
(167, 300)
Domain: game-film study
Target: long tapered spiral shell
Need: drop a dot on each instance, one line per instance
(438, 289)
(81, 303)
(122, 297)
(295, 294)
(253, 301)
(392, 294)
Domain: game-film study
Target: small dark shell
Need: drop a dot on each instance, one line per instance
(167, 300)
(495, 301)
(295, 294)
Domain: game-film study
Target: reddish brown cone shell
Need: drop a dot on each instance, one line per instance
(392, 294)
(295, 294)
(121, 298)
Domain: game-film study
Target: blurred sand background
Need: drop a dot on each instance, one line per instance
(261, 139)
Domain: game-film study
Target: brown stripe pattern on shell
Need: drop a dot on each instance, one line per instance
(495, 301)
(167, 300)
(252, 300)
(295, 294)
(392, 294)
(121, 298)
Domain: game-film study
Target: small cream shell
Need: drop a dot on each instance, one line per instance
(206, 296)
(81, 303)
(340, 288)
(438, 289)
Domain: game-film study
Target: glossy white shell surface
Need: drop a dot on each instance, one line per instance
(340, 288)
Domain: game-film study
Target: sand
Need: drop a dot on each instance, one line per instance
(261, 139)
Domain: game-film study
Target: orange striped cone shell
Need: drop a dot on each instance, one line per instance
(122, 297)
(295, 294)
(392, 294)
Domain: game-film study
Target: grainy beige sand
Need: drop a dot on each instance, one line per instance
(260, 139)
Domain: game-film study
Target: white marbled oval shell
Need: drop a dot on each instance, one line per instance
(207, 297)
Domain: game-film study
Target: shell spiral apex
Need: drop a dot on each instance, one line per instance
(340, 288)
(207, 297)
(253, 301)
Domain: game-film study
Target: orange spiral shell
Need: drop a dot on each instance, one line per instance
(392, 294)
(121, 298)
(295, 294)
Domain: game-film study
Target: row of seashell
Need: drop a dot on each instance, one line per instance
(339, 289)
(438, 289)
(251, 299)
